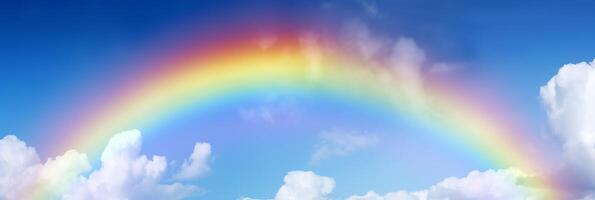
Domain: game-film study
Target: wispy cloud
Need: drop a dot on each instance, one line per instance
(272, 111)
(369, 6)
(340, 143)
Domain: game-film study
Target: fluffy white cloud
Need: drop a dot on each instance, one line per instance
(305, 185)
(197, 164)
(22, 175)
(505, 184)
(569, 99)
(489, 185)
(340, 143)
(61, 173)
(19, 165)
(124, 173)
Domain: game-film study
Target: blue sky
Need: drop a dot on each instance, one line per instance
(55, 55)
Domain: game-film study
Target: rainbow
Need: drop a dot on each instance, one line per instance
(297, 64)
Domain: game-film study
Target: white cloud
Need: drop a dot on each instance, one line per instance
(488, 185)
(197, 164)
(505, 184)
(19, 165)
(61, 173)
(340, 143)
(569, 99)
(22, 174)
(124, 173)
(305, 185)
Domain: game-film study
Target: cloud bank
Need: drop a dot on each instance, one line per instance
(488, 185)
(123, 174)
(21, 170)
(505, 184)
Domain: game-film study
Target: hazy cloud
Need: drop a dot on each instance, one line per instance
(340, 143)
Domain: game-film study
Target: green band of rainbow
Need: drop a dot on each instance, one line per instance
(293, 65)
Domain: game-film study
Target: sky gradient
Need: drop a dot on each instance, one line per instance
(248, 100)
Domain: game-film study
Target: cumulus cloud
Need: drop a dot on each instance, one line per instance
(569, 99)
(123, 174)
(18, 165)
(504, 184)
(305, 185)
(21, 171)
(340, 143)
(197, 164)
(61, 173)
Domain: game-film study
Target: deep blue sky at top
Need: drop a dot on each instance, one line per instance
(51, 50)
